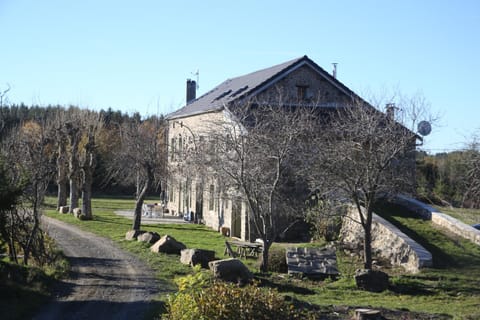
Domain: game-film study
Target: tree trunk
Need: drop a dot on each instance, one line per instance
(74, 169)
(88, 169)
(137, 216)
(61, 176)
(266, 248)
(367, 245)
(87, 195)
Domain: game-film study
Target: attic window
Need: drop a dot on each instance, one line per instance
(239, 91)
(222, 95)
(302, 92)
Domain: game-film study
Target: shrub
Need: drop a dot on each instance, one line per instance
(201, 298)
(277, 261)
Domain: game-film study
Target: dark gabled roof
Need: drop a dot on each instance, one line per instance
(248, 85)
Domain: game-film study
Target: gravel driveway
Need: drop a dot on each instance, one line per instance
(105, 282)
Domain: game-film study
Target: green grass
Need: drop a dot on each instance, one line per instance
(451, 287)
(24, 289)
(468, 216)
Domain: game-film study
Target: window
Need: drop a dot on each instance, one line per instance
(172, 149)
(171, 194)
(211, 199)
(302, 92)
(180, 145)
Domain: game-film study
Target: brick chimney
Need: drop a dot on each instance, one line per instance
(191, 90)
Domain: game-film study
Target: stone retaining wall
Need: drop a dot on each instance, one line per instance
(440, 219)
(387, 241)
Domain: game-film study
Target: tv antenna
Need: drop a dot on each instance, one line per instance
(197, 78)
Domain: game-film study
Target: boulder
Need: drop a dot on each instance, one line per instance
(63, 209)
(133, 234)
(149, 237)
(231, 270)
(197, 256)
(371, 280)
(77, 212)
(168, 244)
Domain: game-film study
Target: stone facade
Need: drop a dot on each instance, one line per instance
(316, 89)
(387, 242)
(201, 194)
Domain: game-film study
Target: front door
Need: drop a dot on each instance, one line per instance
(236, 219)
(199, 202)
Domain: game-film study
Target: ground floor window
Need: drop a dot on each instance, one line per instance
(211, 198)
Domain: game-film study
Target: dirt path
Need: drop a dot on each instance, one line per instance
(105, 282)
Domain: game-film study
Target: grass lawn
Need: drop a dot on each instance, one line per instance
(452, 287)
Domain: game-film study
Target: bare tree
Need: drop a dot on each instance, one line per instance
(61, 140)
(140, 159)
(256, 154)
(92, 123)
(74, 135)
(364, 154)
(30, 152)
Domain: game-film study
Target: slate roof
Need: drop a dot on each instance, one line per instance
(247, 85)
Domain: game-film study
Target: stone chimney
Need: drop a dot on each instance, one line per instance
(191, 90)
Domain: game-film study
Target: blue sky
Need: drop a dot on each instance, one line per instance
(136, 55)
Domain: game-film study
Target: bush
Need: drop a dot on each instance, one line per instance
(277, 260)
(201, 298)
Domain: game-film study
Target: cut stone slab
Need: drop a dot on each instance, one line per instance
(133, 234)
(149, 237)
(231, 270)
(193, 257)
(168, 244)
(312, 262)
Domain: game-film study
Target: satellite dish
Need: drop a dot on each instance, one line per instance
(424, 128)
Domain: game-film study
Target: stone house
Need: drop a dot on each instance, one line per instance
(300, 81)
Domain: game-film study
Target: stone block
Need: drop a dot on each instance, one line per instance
(149, 237)
(197, 256)
(133, 234)
(371, 280)
(64, 209)
(231, 270)
(77, 212)
(168, 244)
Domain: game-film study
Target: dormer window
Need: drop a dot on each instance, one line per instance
(302, 92)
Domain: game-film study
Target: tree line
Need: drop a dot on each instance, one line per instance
(70, 150)
(450, 178)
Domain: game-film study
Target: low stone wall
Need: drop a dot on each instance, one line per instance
(387, 241)
(440, 219)
(456, 227)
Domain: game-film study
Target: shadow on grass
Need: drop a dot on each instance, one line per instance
(411, 287)
(112, 220)
(284, 287)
